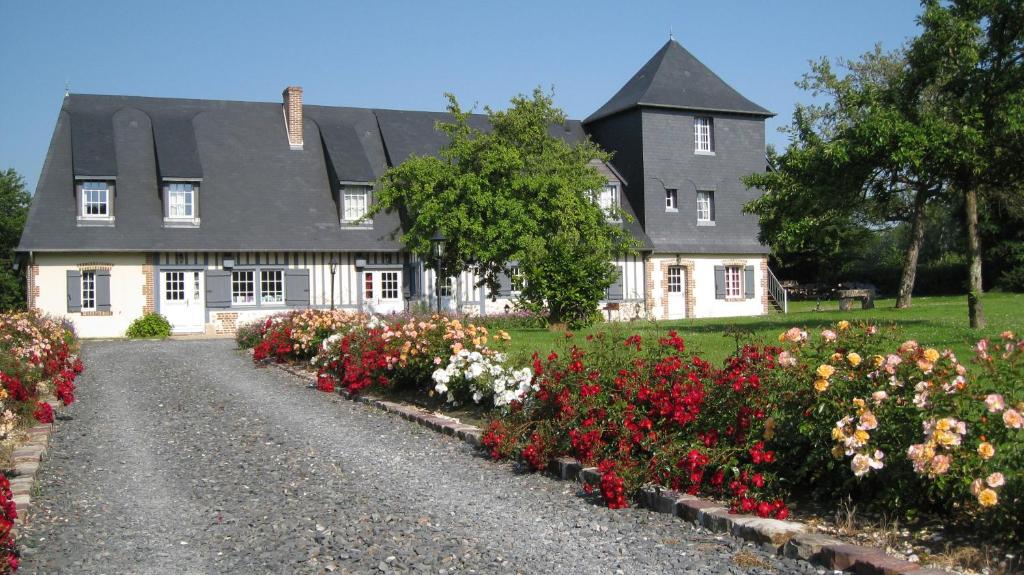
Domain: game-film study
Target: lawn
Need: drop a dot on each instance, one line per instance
(937, 321)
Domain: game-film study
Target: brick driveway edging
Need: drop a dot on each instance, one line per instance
(27, 458)
(788, 538)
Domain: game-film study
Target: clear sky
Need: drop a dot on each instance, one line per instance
(405, 55)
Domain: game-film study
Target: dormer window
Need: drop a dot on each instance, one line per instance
(181, 206)
(355, 204)
(608, 201)
(95, 203)
(703, 135)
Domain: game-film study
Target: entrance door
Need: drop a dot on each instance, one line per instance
(382, 291)
(676, 292)
(181, 300)
(446, 294)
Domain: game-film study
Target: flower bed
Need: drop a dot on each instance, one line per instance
(437, 355)
(38, 356)
(848, 413)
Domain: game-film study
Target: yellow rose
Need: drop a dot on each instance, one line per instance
(858, 402)
(931, 354)
(821, 384)
(782, 336)
(854, 358)
(988, 498)
(861, 436)
(942, 424)
(843, 325)
(879, 360)
(985, 450)
(838, 452)
(945, 438)
(837, 434)
(825, 371)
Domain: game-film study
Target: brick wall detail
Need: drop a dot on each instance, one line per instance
(225, 323)
(149, 285)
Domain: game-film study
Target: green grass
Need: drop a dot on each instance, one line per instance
(939, 322)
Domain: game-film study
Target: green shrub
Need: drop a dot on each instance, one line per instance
(149, 325)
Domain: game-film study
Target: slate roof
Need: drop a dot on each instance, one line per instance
(256, 194)
(675, 78)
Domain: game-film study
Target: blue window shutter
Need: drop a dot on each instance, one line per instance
(719, 282)
(102, 290)
(296, 291)
(218, 289)
(615, 290)
(748, 275)
(74, 291)
(504, 285)
(410, 283)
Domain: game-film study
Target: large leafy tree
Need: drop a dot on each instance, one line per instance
(860, 160)
(970, 58)
(14, 202)
(513, 193)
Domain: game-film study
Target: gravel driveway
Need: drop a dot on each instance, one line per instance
(181, 457)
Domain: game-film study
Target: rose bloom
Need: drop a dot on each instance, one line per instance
(787, 359)
(871, 330)
(879, 396)
(825, 371)
(860, 464)
(1007, 334)
(985, 450)
(988, 498)
(995, 480)
(931, 354)
(821, 384)
(994, 402)
(1013, 419)
(878, 360)
(868, 420)
(828, 335)
(939, 465)
(843, 325)
(854, 358)
(976, 486)
(908, 345)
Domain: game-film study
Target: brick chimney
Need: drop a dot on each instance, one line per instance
(293, 116)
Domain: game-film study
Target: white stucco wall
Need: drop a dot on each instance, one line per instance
(702, 268)
(127, 298)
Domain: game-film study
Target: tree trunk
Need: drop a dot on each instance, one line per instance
(909, 272)
(974, 308)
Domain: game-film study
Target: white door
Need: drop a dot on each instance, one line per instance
(446, 294)
(181, 300)
(382, 291)
(676, 292)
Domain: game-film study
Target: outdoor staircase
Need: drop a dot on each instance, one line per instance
(778, 295)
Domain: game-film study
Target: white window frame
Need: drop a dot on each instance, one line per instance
(705, 207)
(703, 135)
(389, 284)
(238, 295)
(88, 188)
(88, 291)
(675, 279)
(181, 198)
(174, 286)
(608, 200)
(446, 287)
(276, 287)
(671, 200)
(733, 282)
(516, 280)
(355, 203)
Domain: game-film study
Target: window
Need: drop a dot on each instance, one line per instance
(608, 201)
(181, 201)
(88, 291)
(368, 286)
(671, 200)
(733, 282)
(703, 134)
(516, 278)
(271, 286)
(243, 288)
(705, 207)
(389, 285)
(95, 200)
(355, 202)
(174, 286)
(675, 279)
(444, 289)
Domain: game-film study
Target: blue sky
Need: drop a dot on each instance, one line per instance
(405, 55)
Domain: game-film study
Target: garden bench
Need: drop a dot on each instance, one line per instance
(847, 297)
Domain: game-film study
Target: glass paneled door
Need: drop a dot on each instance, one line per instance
(182, 300)
(382, 291)
(676, 292)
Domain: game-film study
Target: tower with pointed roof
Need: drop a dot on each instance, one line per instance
(683, 138)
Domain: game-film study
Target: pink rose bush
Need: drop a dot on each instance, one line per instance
(38, 357)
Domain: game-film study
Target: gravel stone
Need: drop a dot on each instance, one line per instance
(183, 457)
